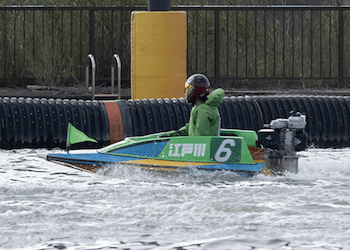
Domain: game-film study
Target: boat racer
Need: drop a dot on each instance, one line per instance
(205, 117)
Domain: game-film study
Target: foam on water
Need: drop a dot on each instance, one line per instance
(47, 206)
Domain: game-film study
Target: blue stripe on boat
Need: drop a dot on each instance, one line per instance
(144, 149)
(104, 159)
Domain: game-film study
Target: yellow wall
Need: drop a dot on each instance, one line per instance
(158, 54)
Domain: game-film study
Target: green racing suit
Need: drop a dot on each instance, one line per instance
(204, 119)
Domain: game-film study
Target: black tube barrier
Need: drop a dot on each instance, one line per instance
(328, 117)
(152, 116)
(240, 113)
(42, 123)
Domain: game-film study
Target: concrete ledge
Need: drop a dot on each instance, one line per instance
(81, 93)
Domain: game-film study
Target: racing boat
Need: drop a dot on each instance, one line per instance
(272, 150)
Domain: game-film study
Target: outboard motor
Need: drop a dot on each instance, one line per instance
(283, 138)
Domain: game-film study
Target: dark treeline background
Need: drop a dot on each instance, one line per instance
(265, 48)
(172, 2)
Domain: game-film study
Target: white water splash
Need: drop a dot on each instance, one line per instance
(48, 206)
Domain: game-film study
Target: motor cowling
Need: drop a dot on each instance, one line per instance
(282, 138)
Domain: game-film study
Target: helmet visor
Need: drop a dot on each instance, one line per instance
(188, 89)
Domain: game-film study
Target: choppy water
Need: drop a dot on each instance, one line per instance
(48, 206)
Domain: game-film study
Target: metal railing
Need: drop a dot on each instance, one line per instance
(233, 45)
(116, 60)
(91, 62)
(271, 43)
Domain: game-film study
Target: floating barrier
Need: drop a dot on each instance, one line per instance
(42, 123)
(328, 117)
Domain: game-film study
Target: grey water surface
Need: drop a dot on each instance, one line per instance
(47, 206)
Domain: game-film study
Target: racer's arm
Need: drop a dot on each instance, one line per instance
(180, 132)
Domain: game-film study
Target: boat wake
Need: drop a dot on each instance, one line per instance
(192, 176)
(312, 166)
(45, 205)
